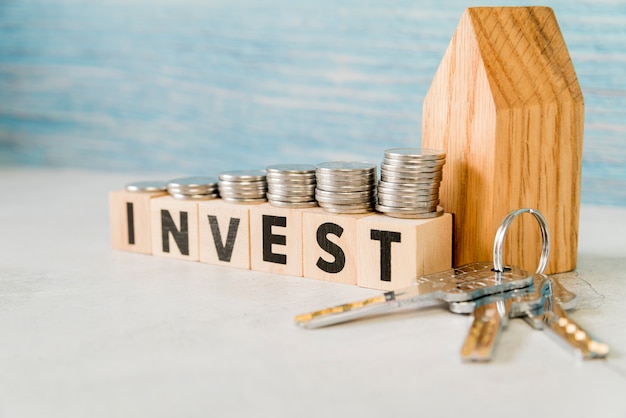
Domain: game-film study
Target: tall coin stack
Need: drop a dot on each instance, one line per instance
(193, 188)
(243, 186)
(346, 186)
(409, 183)
(291, 185)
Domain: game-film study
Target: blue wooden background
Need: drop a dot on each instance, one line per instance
(198, 87)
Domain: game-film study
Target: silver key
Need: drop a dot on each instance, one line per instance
(492, 313)
(455, 285)
(557, 322)
(465, 283)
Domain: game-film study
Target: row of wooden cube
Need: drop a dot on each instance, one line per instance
(369, 250)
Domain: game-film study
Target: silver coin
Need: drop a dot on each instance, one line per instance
(408, 186)
(414, 163)
(329, 194)
(408, 195)
(290, 169)
(192, 182)
(192, 190)
(293, 199)
(398, 178)
(345, 187)
(244, 190)
(405, 210)
(194, 196)
(403, 207)
(243, 175)
(406, 215)
(413, 201)
(295, 183)
(300, 205)
(415, 154)
(346, 166)
(348, 209)
(292, 187)
(146, 186)
(421, 194)
(246, 201)
(411, 174)
(410, 170)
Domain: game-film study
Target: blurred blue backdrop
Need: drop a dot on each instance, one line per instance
(198, 87)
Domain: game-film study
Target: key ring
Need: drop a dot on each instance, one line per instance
(501, 233)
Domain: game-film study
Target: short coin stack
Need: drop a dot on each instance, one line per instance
(243, 186)
(291, 185)
(346, 186)
(193, 188)
(409, 183)
(147, 186)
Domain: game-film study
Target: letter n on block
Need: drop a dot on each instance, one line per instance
(175, 228)
(392, 253)
(130, 220)
(329, 245)
(224, 230)
(276, 239)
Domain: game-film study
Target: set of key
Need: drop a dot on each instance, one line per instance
(492, 292)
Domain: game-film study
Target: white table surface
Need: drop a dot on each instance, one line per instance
(87, 331)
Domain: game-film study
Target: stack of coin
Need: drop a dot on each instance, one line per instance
(346, 186)
(193, 188)
(291, 185)
(147, 186)
(243, 186)
(409, 183)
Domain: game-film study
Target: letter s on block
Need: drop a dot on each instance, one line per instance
(331, 248)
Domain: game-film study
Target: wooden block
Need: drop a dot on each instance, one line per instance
(175, 228)
(276, 239)
(506, 106)
(329, 245)
(130, 220)
(224, 233)
(392, 252)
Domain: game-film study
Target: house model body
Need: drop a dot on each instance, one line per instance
(506, 106)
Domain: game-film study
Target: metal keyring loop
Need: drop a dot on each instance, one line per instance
(501, 233)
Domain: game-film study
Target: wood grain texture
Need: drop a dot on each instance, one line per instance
(506, 106)
(174, 228)
(420, 246)
(276, 239)
(136, 225)
(319, 262)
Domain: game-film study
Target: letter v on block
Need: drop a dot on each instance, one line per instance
(224, 230)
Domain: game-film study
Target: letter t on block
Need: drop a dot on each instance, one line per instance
(392, 253)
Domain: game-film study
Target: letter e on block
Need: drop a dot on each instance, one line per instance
(224, 233)
(276, 239)
(392, 253)
(130, 220)
(175, 228)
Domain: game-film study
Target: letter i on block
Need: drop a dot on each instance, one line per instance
(329, 245)
(224, 230)
(175, 228)
(392, 253)
(130, 219)
(276, 239)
